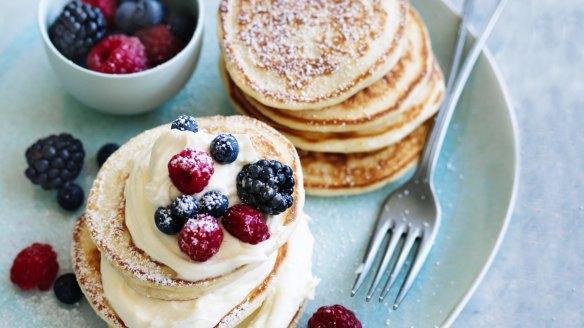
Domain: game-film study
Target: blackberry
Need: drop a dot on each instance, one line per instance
(185, 123)
(224, 148)
(54, 160)
(105, 152)
(67, 289)
(184, 207)
(70, 197)
(214, 203)
(77, 29)
(266, 186)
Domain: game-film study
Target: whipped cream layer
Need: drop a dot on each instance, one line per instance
(149, 187)
(294, 284)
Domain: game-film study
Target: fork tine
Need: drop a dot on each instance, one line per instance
(396, 235)
(406, 249)
(380, 231)
(417, 263)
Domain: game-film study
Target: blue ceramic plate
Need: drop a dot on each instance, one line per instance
(476, 180)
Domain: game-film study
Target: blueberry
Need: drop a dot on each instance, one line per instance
(214, 203)
(224, 148)
(67, 289)
(184, 207)
(185, 123)
(182, 25)
(132, 16)
(70, 197)
(166, 223)
(105, 152)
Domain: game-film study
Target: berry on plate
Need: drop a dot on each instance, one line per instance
(67, 289)
(266, 186)
(134, 15)
(246, 224)
(201, 238)
(224, 148)
(185, 207)
(70, 197)
(107, 8)
(105, 152)
(214, 203)
(166, 222)
(118, 54)
(334, 316)
(190, 170)
(35, 266)
(76, 30)
(161, 45)
(55, 160)
(185, 123)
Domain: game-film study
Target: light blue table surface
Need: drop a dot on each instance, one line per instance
(536, 279)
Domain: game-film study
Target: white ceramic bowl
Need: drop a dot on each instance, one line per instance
(129, 93)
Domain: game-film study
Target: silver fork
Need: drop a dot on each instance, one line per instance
(411, 214)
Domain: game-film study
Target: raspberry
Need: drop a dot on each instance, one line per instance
(35, 265)
(118, 54)
(334, 316)
(190, 170)
(161, 45)
(107, 8)
(246, 224)
(201, 237)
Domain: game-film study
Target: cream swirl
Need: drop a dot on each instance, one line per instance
(149, 187)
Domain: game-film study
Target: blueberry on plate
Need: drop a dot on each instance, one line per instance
(184, 207)
(166, 223)
(224, 148)
(135, 15)
(105, 152)
(67, 289)
(70, 197)
(185, 123)
(214, 203)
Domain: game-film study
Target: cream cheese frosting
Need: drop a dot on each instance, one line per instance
(294, 284)
(149, 187)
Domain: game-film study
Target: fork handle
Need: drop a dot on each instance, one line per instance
(435, 139)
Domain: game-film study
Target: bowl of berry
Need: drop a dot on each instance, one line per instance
(122, 56)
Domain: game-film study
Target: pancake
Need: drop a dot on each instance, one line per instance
(352, 142)
(377, 104)
(302, 54)
(330, 174)
(87, 266)
(106, 210)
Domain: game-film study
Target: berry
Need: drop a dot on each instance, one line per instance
(134, 15)
(214, 203)
(190, 170)
(166, 222)
(201, 238)
(185, 123)
(76, 30)
(67, 289)
(35, 265)
(70, 197)
(224, 148)
(184, 207)
(161, 45)
(182, 26)
(266, 186)
(54, 160)
(118, 54)
(334, 316)
(107, 8)
(246, 224)
(105, 152)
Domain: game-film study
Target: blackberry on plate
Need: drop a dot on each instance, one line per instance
(185, 123)
(54, 160)
(77, 29)
(184, 207)
(105, 152)
(214, 203)
(224, 148)
(166, 223)
(70, 197)
(266, 186)
(67, 289)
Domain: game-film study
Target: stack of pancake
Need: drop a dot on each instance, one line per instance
(353, 84)
(135, 276)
